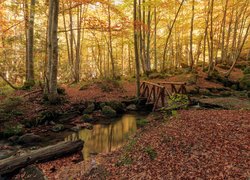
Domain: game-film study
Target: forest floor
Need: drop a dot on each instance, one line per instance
(194, 143)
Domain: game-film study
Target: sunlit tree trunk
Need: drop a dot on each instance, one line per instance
(111, 44)
(169, 35)
(51, 84)
(30, 73)
(191, 38)
(136, 50)
(223, 32)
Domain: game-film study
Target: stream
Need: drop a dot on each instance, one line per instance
(106, 138)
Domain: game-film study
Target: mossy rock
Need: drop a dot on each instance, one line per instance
(12, 129)
(58, 128)
(119, 107)
(87, 118)
(90, 109)
(108, 111)
(245, 82)
(246, 70)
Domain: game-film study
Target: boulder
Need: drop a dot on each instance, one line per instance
(29, 139)
(90, 109)
(119, 107)
(132, 107)
(76, 128)
(87, 118)
(58, 128)
(108, 112)
(32, 172)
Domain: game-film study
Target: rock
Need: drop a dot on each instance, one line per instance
(32, 172)
(132, 107)
(58, 128)
(88, 126)
(13, 139)
(119, 107)
(245, 82)
(87, 118)
(76, 128)
(90, 108)
(29, 139)
(108, 112)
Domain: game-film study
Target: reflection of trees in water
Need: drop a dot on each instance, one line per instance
(105, 138)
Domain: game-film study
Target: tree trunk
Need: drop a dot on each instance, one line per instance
(14, 163)
(30, 73)
(169, 34)
(51, 83)
(137, 62)
(191, 37)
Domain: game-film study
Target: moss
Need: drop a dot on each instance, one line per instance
(108, 111)
(90, 109)
(12, 129)
(141, 123)
(116, 105)
(151, 152)
(87, 118)
(28, 85)
(246, 70)
(58, 128)
(11, 104)
(245, 82)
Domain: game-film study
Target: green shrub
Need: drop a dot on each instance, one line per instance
(245, 82)
(11, 129)
(11, 104)
(151, 152)
(246, 70)
(125, 160)
(141, 122)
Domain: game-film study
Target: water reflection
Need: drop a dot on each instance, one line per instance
(105, 138)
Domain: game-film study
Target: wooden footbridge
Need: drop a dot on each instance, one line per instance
(158, 93)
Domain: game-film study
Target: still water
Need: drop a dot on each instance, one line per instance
(106, 138)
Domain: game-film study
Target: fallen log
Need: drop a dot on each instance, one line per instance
(48, 153)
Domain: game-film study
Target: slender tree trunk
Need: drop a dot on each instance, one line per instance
(238, 53)
(136, 51)
(111, 44)
(149, 38)
(169, 34)
(30, 76)
(211, 59)
(155, 38)
(191, 38)
(223, 33)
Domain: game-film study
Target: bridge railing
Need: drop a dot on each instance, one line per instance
(157, 93)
